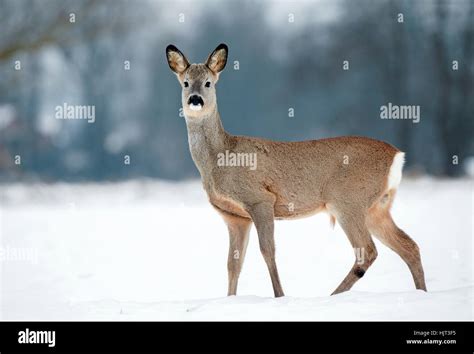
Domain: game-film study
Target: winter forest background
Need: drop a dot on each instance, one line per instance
(289, 54)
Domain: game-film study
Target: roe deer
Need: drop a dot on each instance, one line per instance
(354, 179)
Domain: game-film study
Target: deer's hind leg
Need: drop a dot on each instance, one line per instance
(382, 226)
(352, 222)
(239, 229)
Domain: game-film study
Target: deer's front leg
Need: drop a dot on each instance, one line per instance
(262, 216)
(239, 229)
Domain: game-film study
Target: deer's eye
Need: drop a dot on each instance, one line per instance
(186, 84)
(208, 84)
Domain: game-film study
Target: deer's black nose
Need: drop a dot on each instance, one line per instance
(196, 100)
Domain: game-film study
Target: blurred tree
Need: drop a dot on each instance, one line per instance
(453, 127)
(275, 65)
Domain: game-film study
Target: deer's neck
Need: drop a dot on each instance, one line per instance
(206, 138)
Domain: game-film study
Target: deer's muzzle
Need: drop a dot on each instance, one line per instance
(195, 102)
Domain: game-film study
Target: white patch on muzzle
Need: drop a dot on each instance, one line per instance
(196, 107)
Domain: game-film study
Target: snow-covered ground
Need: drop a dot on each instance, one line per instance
(152, 250)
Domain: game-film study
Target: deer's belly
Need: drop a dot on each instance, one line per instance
(282, 212)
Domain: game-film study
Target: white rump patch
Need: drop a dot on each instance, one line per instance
(395, 173)
(196, 107)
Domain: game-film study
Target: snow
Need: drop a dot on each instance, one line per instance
(154, 250)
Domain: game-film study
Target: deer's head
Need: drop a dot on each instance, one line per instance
(198, 80)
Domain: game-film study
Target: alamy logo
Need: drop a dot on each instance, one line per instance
(237, 159)
(67, 111)
(360, 255)
(19, 254)
(393, 111)
(37, 337)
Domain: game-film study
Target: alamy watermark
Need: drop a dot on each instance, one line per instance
(360, 255)
(29, 336)
(20, 254)
(237, 159)
(393, 111)
(68, 111)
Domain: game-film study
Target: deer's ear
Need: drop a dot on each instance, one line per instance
(176, 60)
(218, 58)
